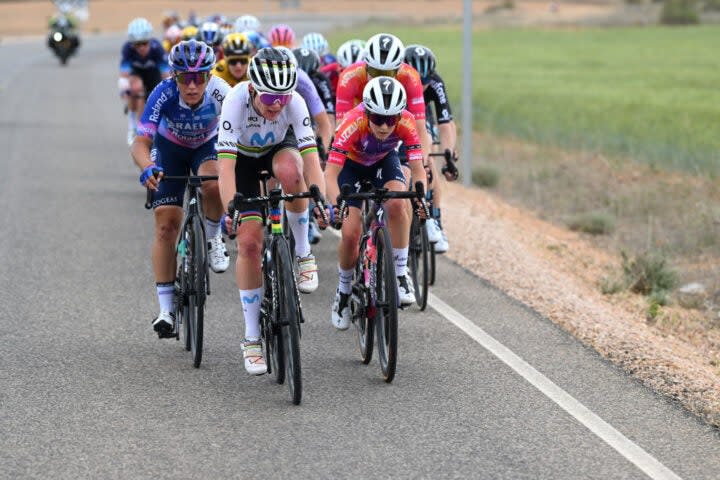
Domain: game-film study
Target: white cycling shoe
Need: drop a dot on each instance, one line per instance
(254, 357)
(406, 291)
(433, 230)
(442, 245)
(219, 258)
(341, 311)
(307, 279)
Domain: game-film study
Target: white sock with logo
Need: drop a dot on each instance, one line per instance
(165, 293)
(299, 225)
(345, 285)
(250, 300)
(400, 255)
(132, 123)
(212, 228)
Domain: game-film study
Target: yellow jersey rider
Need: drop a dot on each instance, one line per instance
(234, 67)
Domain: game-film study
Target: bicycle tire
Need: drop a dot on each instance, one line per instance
(289, 311)
(386, 305)
(270, 328)
(432, 263)
(419, 262)
(359, 308)
(197, 270)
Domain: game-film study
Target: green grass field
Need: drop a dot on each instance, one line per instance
(648, 93)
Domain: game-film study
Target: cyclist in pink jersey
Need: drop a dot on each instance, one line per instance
(364, 149)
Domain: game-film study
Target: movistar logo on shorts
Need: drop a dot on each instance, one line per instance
(260, 141)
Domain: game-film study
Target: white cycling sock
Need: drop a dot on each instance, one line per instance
(345, 285)
(299, 225)
(212, 228)
(165, 292)
(132, 123)
(400, 255)
(250, 300)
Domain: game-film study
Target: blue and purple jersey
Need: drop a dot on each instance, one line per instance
(167, 115)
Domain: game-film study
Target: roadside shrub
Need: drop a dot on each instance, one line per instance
(648, 274)
(594, 223)
(486, 177)
(679, 12)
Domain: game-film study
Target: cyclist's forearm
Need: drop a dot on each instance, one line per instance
(417, 171)
(448, 136)
(425, 139)
(226, 180)
(332, 171)
(324, 128)
(312, 172)
(140, 151)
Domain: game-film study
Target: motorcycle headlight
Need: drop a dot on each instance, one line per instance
(57, 36)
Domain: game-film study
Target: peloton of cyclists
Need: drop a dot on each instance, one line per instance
(266, 126)
(143, 65)
(177, 133)
(364, 149)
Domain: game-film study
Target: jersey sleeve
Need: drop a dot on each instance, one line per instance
(125, 61)
(346, 133)
(154, 109)
(346, 91)
(407, 131)
(229, 125)
(442, 102)
(306, 89)
(302, 126)
(410, 79)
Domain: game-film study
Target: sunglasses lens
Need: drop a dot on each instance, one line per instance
(197, 78)
(271, 98)
(235, 61)
(377, 119)
(374, 72)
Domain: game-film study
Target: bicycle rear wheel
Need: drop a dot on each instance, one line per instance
(432, 263)
(386, 304)
(418, 260)
(197, 269)
(289, 317)
(359, 305)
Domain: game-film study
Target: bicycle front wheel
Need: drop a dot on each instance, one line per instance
(359, 306)
(386, 292)
(418, 261)
(197, 270)
(289, 317)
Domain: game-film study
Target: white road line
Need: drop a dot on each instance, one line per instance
(607, 433)
(631, 451)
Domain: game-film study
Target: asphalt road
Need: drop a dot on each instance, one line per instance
(88, 391)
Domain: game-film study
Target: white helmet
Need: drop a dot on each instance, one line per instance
(247, 22)
(272, 70)
(384, 52)
(384, 96)
(139, 30)
(350, 52)
(316, 42)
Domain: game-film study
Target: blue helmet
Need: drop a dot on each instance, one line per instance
(191, 56)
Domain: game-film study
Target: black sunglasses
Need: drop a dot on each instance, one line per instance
(240, 60)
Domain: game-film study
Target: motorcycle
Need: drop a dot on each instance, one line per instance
(64, 43)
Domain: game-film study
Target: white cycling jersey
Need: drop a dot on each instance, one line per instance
(243, 130)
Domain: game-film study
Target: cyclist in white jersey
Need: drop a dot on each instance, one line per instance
(265, 125)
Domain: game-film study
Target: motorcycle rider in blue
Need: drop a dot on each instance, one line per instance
(177, 133)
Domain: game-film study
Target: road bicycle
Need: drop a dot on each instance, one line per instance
(280, 310)
(374, 298)
(192, 282)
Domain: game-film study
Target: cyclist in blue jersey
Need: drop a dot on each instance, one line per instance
(177, 134)
(142, 66)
